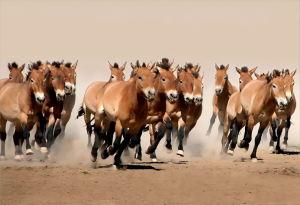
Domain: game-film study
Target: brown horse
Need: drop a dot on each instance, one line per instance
(234, 106)
(15, 74)
(261, 76)
(20, 104)
(258, 100)
(177, 113)
(166, 91)
(125, 103)
(223, 91)
(90, 98)
(53, 105)
(283, 115)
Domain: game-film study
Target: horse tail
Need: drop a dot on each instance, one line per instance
(80, 111)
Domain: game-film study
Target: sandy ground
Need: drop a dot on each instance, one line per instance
(274, 179)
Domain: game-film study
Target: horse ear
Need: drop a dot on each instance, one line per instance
(174, 68)
(252, 71)
(138, 64)
(201, 76)
(46, 71)
(238, 70)
(22, 67)
(293, 73)
(179, 70)
(110, 66)
(123, 66)
(9, 67)
(198, 69)
(158, 69)
(256, 75)
(217, 68)
(194, 69)
(171, 62)
(133, 66)
(226, 68)
(151, 66)
(74, 65)
(284, 75)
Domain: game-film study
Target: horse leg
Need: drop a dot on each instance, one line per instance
(49, 131)
(181, 127)
(261, 129)
(286, 135)
(17, 141)
(153, 136)
(248, 134)
(225, 140)
(137, 139)
(274, 126)
(26, 133)
(57, 129)
(159, 134)
(87, 119)
(236, 127)
(43, 129)
(168, 146)
(279, 131)
(64, 121)
(212, 120)
(3, 137)
(126, 150)
(111, 150)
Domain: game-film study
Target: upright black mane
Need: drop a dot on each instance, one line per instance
(68, 65)
(287, 71)
(269, 78)
(276, 73)
(222, 67)
(14, 65)
(189, 65)
(33, 66)
(144, 65)
(56, 64)
(39, 63)
(245, 69)
(116, 65)
(164, 64)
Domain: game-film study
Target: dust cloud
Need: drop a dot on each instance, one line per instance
(240, 34)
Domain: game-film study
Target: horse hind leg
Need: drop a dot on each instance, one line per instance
(168, 146)
(17, 141)
(279, 131)
(159, 134)
(87, 119)
(286, 135)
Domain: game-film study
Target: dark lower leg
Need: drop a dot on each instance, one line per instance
(274, 126)
(95, 148)
(212, 121)
(122, 146)
(279, 131)
(17, 142)
(26, 135)
(57, 130)
(180, 138)
(136, 139)
(110, 134)
(50, 137)
(43, 128)
(159, 136)
(168, 133)
(3, 138)
(257, 141)
(287, 127)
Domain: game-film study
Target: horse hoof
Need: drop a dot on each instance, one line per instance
(138, 156)
(104, 154)
(180, 153)
(89, 145)
(230, 152)
(44, 150)
(271, 149)
(93, 159)
(239, 144)
(18, 158)
(254, 160)
(131, 145)
(153, 160)
(22, 157)
(168, 150)
(29, 152)
(2, 158)
(283, 146)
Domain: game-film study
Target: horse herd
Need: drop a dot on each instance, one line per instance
(152, 96)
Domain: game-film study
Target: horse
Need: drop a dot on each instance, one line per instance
(223, 90)
(125, 103)
(194, 110)
(177, 113)
(22, 103)
(53, 105)
(258, 103)
(283, 115)
(89, 103)
(233, 106)
(15, 74)
(166, 91)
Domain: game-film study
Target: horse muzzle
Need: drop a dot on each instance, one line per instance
(188, 98)
(219, 91)
(40, 98)
(289, 97)
(150, 94)
(198, 99)
(60, 95)
(172, 96)
(282, 103)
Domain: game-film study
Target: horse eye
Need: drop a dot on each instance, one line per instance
(274, 86)
(10, 78)
(202, 87)
(112, 76)
(240, 82)
(163, 80)
(181, 82)
(52, 78)
(123, 77)
(293, 83)
(31, 80)
(75, 76)
(140, 78)
(225, 78)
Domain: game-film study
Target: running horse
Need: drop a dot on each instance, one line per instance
(258, 103)
(194, 112)
(165, 91)
(125, 103)
(21, 103)
(89, 103)
(233, 106)
(15, 74)
(223, 91)
(283, 115)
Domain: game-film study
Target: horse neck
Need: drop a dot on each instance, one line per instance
(158, 87)
(268, 96)
(227, 88)
(180, 101)
(132, 93)
(49, 89)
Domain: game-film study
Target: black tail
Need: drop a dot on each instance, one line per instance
(80, 112)
(232, 123)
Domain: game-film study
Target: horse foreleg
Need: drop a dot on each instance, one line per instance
(159, 134)
(181, 127)
(261, 129)
(17, 141)
(279, 131)
(111, 150)
(225, 139)
(248, 134)
(26, 134)
(136, 139)
(212, 120)
(286, 135)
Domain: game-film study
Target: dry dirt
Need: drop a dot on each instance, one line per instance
(232, 180)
